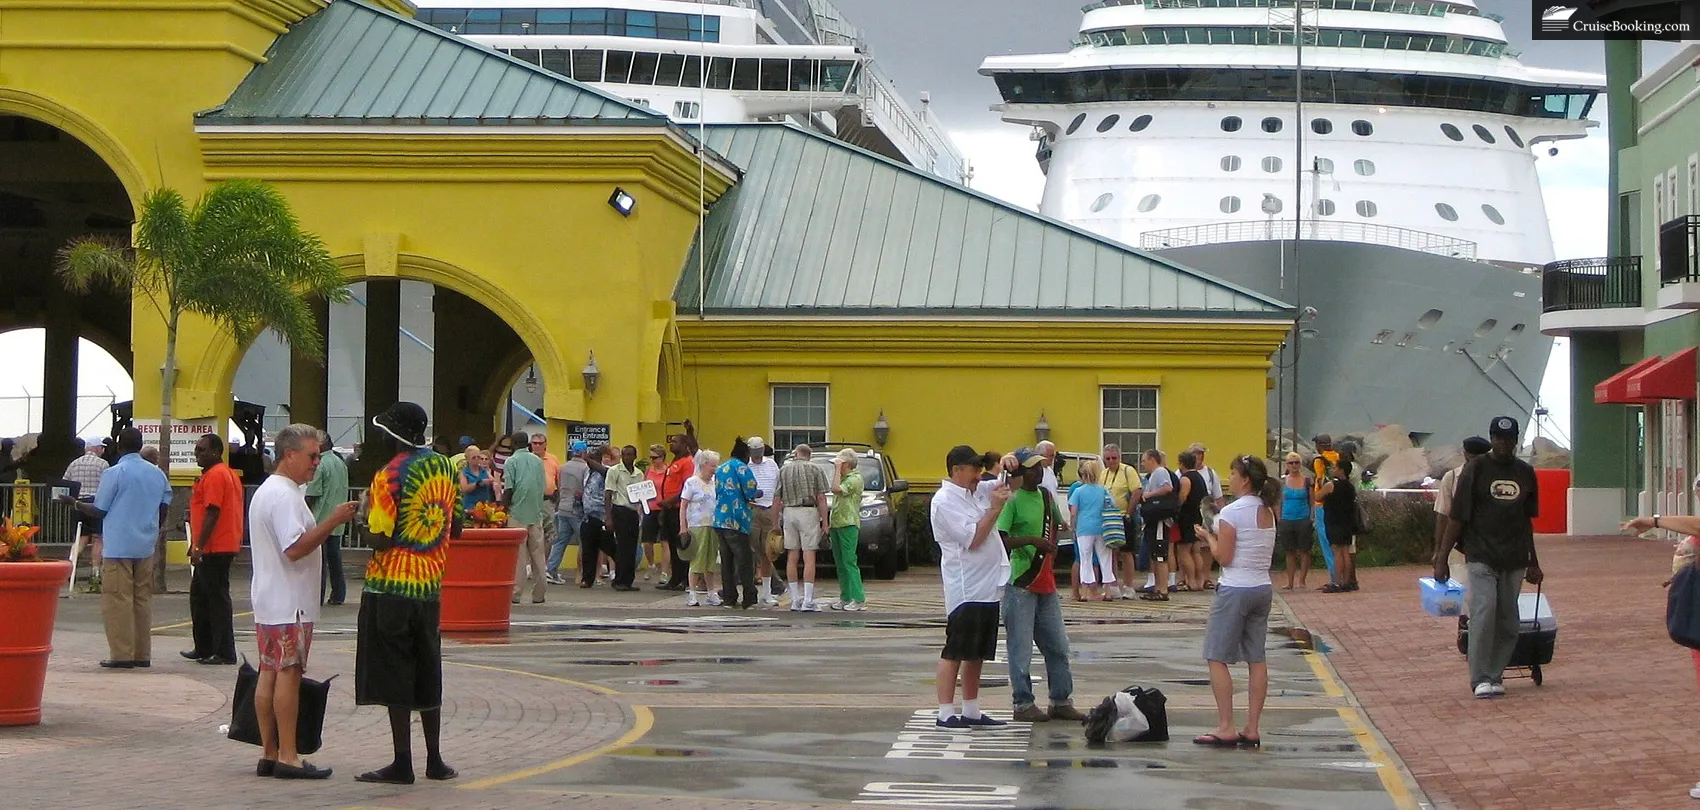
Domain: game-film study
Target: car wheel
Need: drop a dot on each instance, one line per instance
(885, 565)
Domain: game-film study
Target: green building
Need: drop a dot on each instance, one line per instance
(1633, 317)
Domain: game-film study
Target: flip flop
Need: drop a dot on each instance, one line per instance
(1215, 742)
(1248, 742)
(1154, 597)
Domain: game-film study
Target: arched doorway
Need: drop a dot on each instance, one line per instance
(55, 188)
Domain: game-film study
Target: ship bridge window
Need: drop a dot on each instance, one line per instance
(1430, 318)
(1493, 214)
(1272, 164)
(1231, 124)
(1231, 163)
(1075, 124)
(1486, 327)
(1109, 122)
(1260, 35)
(746, 74)
(1446, 212)
(1230, 205)
(1482, 132)
(644, 66)
(1149, 202)
(775, 74)
(619, 67)
(1452, 132)
(578, 21)
(1366, 208)
(1325, 208)
(1139, 124)
(1363, 167)
(1271, 124)
(1362, 128)
(1321, 126)
(1512, 134)
(1102, 202)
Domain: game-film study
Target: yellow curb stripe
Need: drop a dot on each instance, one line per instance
(1386, 768)
(600, 690)
(191, 623)
(1324, 674)
(645, 722)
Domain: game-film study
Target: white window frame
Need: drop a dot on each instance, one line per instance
(1658, 217)
(773, 407)
(687, 110)
(1104, 431)
(1693, 184)
(1673, 199)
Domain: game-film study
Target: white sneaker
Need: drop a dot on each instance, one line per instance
(797, 605)
(836, 604)
(811, 607)
(1694, 792)
(691, 600)
(769, 600)
(714, 599)
(1498, 689)
(1484, 690)
(854, 606)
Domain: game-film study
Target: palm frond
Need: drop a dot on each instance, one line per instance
(94, 261)
(165, 242)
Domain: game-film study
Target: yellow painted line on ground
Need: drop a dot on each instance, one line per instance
(1391, 778)
(600, 690)
(1324, 674)
(181, 625)
(645, 722)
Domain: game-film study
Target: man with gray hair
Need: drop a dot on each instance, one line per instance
(801, 494)
(1049, 452)
(285, 544)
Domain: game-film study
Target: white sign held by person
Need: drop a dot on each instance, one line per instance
(641, 492)
(184, 434)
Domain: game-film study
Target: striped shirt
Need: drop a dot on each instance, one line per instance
(85, 470)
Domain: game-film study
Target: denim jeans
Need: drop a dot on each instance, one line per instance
(566, 534)
(1028, 618)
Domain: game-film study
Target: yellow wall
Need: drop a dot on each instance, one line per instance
(517, 221)
(981, 383)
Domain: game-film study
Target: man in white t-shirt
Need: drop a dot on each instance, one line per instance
(1213, 504)
(974, 569)
(766, 471)
(284, 544)
(1474, 447)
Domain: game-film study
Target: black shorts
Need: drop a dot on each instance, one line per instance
(1339, 534)
(971, 632)
(398, 653)
(651, 532)
(1295, 535)
(91, 524)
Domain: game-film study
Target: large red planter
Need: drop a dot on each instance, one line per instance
(1554, 517)
(29, 600)
(478, 581)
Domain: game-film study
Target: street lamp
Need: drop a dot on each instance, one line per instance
(1042, 430)
(531, 379)
(591, 375)
(882, 429)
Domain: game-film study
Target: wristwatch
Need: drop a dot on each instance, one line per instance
(1655, 521)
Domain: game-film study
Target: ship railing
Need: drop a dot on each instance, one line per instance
(1270, 230)
(1679, 250)
(1600, 283)
(1428, 8)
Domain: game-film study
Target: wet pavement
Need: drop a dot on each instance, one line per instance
(833, 709)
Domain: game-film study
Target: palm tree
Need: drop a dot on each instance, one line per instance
(238, 258)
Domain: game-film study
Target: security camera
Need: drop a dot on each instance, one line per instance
(1552, 151)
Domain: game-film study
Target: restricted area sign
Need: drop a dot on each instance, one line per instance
(184, 434)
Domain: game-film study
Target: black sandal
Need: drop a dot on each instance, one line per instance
(1154, 597)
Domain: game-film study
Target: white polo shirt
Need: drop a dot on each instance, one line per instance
(283, 591)
(969, 575)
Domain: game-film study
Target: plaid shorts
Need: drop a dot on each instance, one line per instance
(284, 645)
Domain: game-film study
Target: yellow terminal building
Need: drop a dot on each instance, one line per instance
(757, 279)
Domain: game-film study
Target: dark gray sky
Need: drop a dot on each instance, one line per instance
(937, 45)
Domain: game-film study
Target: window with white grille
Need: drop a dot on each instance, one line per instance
(799, 415)
(687, 110)
(1130, 418)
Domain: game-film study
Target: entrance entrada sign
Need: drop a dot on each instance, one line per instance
(593, 434)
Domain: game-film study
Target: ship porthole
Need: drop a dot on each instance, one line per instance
(1429, 318)
(1451, 132)
(1446, 212)
(1363, 128)
(1363, 167)
(1482, 132)
(1109, 122)
(1321, 126)
(1515, 138)
(1272, 164)
(1231, 124)
(1231, 163)
(1230, 205)
(1325, 208)
(1366, 208)
(1271, 124)
(1148, 202)
(1493, 214)
(1486, 327)
(1139, 124)
(1102, 202)
(1075, 124)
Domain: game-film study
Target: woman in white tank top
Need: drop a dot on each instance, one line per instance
(1239, 616)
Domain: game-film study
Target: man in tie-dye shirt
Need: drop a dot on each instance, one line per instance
(398, 659)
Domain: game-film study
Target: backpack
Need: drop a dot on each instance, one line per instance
(1166, 506)
(1682, 608)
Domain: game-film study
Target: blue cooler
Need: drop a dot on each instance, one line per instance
(1442, 599)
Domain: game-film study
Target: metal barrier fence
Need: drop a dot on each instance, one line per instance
(58, 521)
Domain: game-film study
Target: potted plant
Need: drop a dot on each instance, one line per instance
(478, 580)
(29, 601)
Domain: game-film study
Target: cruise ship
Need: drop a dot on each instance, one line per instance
(1406, 168)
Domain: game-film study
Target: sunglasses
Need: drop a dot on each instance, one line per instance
(657, 458)
(536, 442)
(315, 456)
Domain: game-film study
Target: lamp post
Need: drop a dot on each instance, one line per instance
(882, 429)
(1042, 429)
(591, 375)
(531, 379)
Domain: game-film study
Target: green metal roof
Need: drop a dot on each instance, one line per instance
(352, 63)
(819, 227)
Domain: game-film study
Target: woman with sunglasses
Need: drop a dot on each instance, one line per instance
(654, 545)
(1295, 533)
(477, 481)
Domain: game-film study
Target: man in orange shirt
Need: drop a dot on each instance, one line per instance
(215, 525)
(684, 448)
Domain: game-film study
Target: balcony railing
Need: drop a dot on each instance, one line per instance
(1271, 230)
(1613, 283)
(1679, 250)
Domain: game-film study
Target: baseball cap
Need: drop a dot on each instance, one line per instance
(580, 447)
(960, 455)
(1476, 446)
(756, 443)
(1503, 426)
(1028, 457)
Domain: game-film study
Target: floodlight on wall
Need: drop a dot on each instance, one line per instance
(882, 429)
(531, 379)
(1042, 430)
(591, 375)
(623, 202)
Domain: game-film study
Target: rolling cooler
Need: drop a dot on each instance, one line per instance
(1537, 634)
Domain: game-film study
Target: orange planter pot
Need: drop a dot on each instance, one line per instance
(29, 599)
(478, 581)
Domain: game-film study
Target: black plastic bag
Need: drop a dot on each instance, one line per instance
(1151, 704)
(309, 722)
(1682, 608)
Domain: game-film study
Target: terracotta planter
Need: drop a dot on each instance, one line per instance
(29, 599)
(478, 581)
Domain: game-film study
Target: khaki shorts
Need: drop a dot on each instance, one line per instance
(802, 528)
(761, 525)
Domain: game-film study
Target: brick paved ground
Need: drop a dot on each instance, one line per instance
(1612, 727)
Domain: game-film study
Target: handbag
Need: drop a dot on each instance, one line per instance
(309, 721)
(1115, 524)
(1682, 608)
(1165, 506)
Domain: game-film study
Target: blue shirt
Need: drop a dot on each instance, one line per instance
(481, 489)
(1295, 503)
(734, 489)
(1090, 500)
(595, 495)
(131, 493)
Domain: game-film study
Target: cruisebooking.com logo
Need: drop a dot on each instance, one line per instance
(1616, 19)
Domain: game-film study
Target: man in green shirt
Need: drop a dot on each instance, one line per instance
(1032, 611)
(523, 476)
(845, 519)
(327, 490)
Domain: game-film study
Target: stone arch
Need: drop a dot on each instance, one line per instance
(115, 345)
(16, 101)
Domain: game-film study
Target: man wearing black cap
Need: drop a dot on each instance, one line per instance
(974, 569)
(1493, 514)
(1032, 612)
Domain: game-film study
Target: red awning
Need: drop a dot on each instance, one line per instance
(1614, 390)
(1670, 378)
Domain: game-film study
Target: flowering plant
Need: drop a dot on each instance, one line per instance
(15, 545)
(488, 515)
